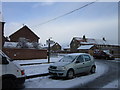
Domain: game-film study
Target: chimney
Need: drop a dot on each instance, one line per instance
(84, 38)
(104, 39)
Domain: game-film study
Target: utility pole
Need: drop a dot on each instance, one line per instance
(49, 50)
(49, 41)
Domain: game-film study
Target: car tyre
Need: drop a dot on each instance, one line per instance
(70, 74)
(8, 83)
(93, 69)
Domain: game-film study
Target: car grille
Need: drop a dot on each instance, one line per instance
(53, 67)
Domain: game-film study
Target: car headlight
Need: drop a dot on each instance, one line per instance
(61, 68)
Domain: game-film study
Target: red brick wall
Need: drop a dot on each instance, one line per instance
(18, 54)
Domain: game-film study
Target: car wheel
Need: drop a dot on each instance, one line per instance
(93, 69)
(70, 74)
(8, 83)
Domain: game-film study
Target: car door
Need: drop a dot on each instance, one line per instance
(79, 64)
(87, 63)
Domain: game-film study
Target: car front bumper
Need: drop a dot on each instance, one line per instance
(59, 73)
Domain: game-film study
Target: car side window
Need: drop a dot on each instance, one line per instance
(80, 59)
(87, 57)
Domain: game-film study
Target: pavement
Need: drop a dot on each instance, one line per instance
(36, 75)
(35, 63)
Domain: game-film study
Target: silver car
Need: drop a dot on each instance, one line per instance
(72, 64)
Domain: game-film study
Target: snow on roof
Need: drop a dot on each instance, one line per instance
(76, 54)
(46, 46)
(100, 41)
(10, 44)
(78, 38)
(85, 46)
(66, 47)
(91, 41)
(94, 41)
(52, 45)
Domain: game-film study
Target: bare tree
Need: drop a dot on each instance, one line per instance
(35, 45)
(22, 43)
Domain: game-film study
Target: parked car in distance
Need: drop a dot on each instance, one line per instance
(12, 74)
(73, 64)
(103, 55)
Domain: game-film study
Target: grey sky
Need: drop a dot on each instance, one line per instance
(95, 21)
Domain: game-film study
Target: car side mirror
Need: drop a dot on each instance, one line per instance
(4, 60)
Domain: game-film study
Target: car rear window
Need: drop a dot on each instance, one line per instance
(86, 57)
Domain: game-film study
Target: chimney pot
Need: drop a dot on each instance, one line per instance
(104, 39)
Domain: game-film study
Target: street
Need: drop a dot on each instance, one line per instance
(107, 71)
(111, 75)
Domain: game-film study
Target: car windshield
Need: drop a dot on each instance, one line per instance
(67, 59)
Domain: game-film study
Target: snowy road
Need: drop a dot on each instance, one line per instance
(108, 79)
(47, 82)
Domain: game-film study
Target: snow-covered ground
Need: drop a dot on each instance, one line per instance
(46, 82)
(116, 60)
(38, 68)
(53, 59)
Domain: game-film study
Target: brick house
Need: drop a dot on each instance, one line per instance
(24, 32)
(67, 48)
(101, 44)
(78, 41)
(87, 49)
(18, 53)
(55, 47)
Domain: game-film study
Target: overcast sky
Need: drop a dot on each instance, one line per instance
(97, 20)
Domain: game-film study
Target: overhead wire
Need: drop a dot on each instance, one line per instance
(65, 14)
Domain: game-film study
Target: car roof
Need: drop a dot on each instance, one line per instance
(76, 54)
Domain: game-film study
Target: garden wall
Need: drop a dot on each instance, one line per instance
(25, 54)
